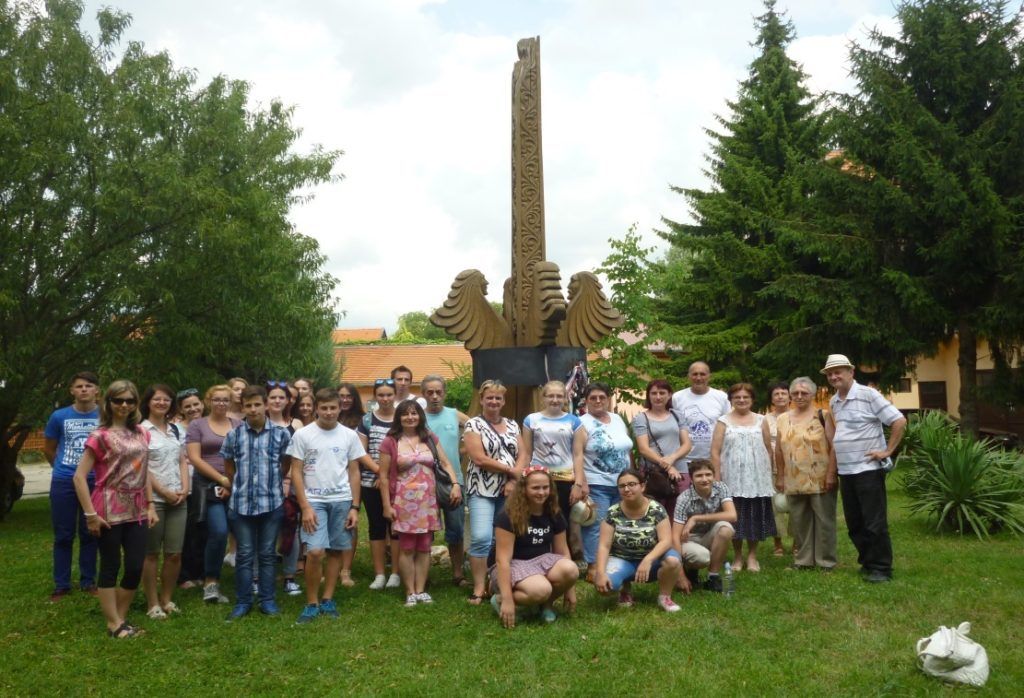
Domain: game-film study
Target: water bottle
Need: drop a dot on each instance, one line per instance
(728, 582)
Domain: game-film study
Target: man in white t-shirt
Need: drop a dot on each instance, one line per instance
(325, 477)
(698, 408)
(402, 377)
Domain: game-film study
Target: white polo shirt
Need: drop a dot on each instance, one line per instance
(859, 419)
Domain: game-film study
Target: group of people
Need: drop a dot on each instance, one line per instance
(287, 471)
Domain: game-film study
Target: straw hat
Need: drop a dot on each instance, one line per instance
(837, 361)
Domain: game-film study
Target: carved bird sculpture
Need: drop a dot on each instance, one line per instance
(589, 316)
(467, 316)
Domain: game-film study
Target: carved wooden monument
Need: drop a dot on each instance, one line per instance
(540, 336)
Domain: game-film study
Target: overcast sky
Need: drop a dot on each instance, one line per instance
(417, 94)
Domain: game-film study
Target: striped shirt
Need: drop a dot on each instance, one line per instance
(859, 420)
(258, 456)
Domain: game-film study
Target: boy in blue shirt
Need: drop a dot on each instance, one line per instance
(66, 432)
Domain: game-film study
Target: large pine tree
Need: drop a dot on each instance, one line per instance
(712, 295)
(918, 220)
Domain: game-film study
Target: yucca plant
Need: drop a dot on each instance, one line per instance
(963, 484)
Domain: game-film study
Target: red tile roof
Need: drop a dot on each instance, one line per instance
(364, 334)
(363, 364)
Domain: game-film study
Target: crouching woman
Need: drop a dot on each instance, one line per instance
(636, 545)
(532, 566)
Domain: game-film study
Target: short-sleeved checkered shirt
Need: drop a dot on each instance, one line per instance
(257, 455)
(692, 504)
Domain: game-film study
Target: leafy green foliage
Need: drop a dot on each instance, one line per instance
(963, 485)
(416, 326)
(715, 295)
(143, 227)
(460, 391)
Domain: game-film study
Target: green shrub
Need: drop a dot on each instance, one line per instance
(962, 484)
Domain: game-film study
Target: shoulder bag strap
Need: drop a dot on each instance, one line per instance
(652, 438)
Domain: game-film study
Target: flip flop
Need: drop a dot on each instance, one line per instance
(123, 632)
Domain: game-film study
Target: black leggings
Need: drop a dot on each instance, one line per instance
(378, 525)
(564, 489)
(131, 537)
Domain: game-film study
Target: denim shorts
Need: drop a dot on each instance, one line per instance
(620, 571)
(330, 533)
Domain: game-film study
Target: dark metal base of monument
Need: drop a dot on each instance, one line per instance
(526, 366)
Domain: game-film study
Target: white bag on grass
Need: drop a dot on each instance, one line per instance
(952, 656)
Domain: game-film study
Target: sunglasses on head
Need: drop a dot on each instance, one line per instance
(277, 384)
(187, 392)
(383, 381)
(121, 401)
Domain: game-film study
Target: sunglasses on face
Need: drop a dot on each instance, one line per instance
(383, 381)
(187, 392)
(122, 401)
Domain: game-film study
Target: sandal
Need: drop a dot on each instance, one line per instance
(123, 632)
(460, 582)
(475, 600)
(156, 613)
(171, 607)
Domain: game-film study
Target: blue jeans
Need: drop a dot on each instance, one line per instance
(481, 523)
(454, 523)
(67, 516)
(216, 537)
(603, 496)
(620, 571)
(257, 539)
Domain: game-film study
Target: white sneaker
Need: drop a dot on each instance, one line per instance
(378, 582)
(411, 600)
(229, 559)
(424, 598)
(394, 581)
(291, 587)
(667, 604)
(211, 594)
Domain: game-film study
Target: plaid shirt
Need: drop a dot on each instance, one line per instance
(258, 455)
(690, 504)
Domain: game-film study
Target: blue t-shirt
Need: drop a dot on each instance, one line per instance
(70, 428)
(445, 424)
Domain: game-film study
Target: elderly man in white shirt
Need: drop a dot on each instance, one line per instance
(862, 455)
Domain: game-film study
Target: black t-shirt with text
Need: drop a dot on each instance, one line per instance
(538, 539)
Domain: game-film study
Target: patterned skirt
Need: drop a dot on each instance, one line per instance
(521, 569)
(754, 518)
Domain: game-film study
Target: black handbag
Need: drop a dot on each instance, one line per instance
(443, 481)
(657, 484)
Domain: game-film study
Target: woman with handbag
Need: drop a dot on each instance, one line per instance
(495, 450)
(409, 459)
(663, 443)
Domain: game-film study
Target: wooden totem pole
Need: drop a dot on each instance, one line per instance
(540, 336)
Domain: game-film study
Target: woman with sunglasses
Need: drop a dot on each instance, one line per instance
(531, 563)
(372, 430)
(350, 415)
(169, 478)
(495, 447)
(190, 408)
(407, 474)
(203, 441)
(636, 545)
(120, 507)
(605, 451)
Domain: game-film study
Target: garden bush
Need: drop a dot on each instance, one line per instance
(961, 484)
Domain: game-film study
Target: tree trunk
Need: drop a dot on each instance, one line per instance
(967, 360)
(10, 446)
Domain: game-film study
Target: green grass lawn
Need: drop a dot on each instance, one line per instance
(784, 632)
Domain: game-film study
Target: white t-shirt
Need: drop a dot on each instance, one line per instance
(698, 413)
(165, 456)
(325, 456)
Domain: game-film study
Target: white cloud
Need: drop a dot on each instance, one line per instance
(417, 94)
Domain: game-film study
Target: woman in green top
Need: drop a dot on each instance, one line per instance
(636, 545)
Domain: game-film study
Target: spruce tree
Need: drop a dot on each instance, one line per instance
(712, 293)
(917, 220)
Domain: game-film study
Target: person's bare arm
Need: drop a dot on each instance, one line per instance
(50, 450)
(716, 449)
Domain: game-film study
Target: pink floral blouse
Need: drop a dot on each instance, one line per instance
(121, 470)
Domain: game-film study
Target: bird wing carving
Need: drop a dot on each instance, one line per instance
(467, 316)
(589, 316)
(547, 306)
